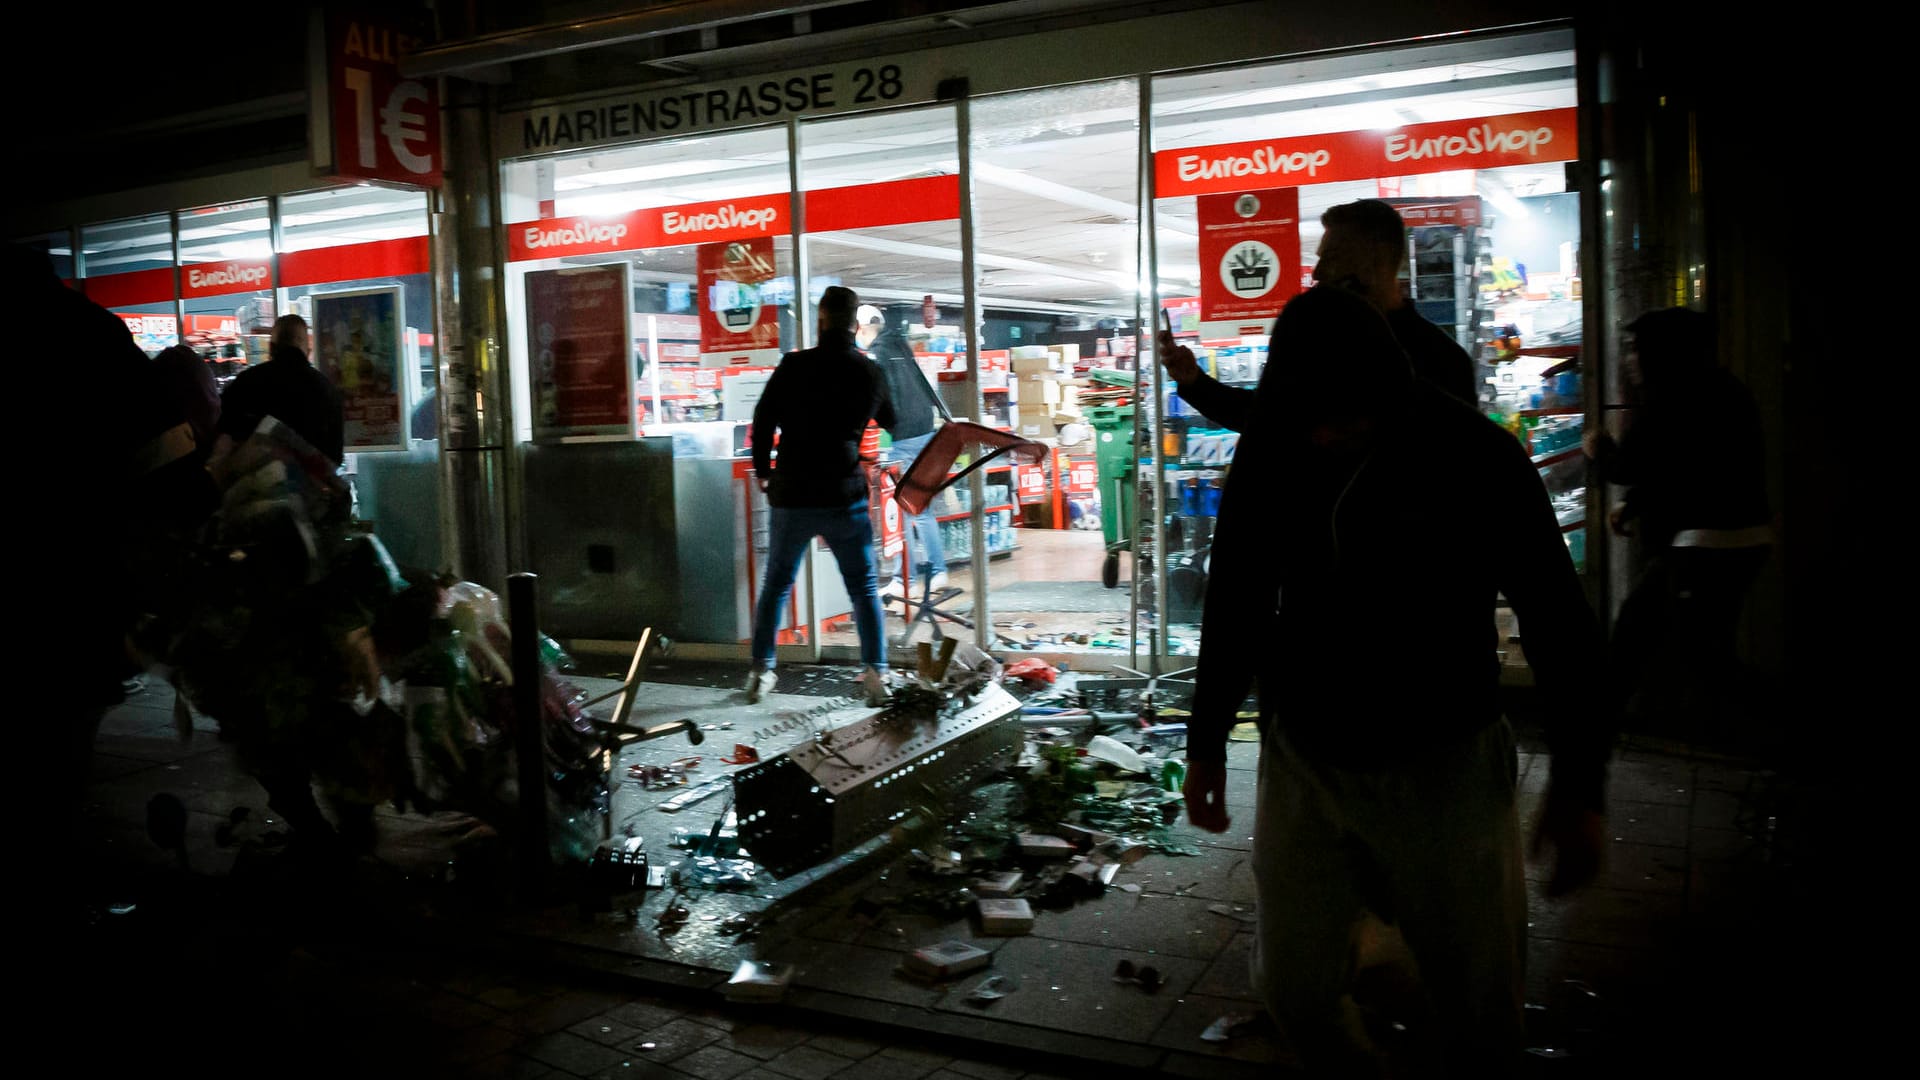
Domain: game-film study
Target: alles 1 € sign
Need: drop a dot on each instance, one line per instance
(1485, 142)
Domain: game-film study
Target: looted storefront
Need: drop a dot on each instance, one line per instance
(967, 189)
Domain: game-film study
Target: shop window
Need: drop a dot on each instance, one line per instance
(1469, 140)
(883, 218)
(634, 416)
(354, 262)
(1056, 195)
(127, 267)
(226, 284)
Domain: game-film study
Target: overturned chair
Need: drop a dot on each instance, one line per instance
(928, 476)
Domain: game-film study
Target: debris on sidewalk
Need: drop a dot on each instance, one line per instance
(1010, 917)
(1040, 846)
(991, 989)
(759, 982)
(998, 885)
(945, 960)
(1146, 977)
(693, 795)
(1033, 671)
(1233, 911)
(1228, 1027)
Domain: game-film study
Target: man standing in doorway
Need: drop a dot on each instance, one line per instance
(914, 409)
(288, 388)
(821, 400)
(1363, 250)
(1387, 772)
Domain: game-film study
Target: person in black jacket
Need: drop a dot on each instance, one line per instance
(288, 388)
(821, 400)
(1367, 524)
(916, 412)
(1693, 460)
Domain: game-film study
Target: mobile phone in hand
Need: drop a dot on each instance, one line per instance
(1166, 322)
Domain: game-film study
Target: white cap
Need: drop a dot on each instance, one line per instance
(868, 315)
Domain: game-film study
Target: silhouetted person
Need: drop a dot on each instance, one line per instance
(821, 400)
(189, 381)
(1362, 251)
(917, 412)
(1367, 524)
(290, 389)
(1693, 462)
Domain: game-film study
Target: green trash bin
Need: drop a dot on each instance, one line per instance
(1114, 456)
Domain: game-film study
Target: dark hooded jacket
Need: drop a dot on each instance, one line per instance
(291, 390)
(1693, 456)
(1357, 586)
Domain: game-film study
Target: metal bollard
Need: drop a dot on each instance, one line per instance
(529, 730)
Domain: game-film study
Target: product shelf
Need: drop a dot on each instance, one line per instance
(1558, 456)
(1554, 410)
(969, 513)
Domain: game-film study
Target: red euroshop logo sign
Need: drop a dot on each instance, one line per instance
(385, 126)
(860, 206)
(1485, 142)
(215, 279)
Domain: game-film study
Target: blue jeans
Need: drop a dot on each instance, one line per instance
(848, 531)
(928, 550)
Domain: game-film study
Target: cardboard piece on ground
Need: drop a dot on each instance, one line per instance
(1005, 917)
(945, 960)
(756, 980)
(998, 886)
(1036, 845)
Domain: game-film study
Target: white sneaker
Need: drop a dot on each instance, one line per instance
(939, 581)
(875, 684)
(894, 587)
(759, 685)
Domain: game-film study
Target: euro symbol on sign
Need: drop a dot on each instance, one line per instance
(402, 126)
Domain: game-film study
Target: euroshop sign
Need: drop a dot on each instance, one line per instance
(1486, 142)
(215, 279)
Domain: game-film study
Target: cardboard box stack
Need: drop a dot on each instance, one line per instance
(1035, 390)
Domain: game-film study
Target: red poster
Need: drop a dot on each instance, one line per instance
(1249, 259)
(1083, 477)
(892, 526)
(1032, 484)
(385, 126)
(582, 354)
(232, 276)
(736, 329)
(1485, 142)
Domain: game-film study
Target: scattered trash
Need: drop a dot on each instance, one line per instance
(991, 989)
(121, 909)
(759, 981)
(1247, 732)
(1008, 917)
(1112, 751)
(998, 886)
(672, 918)
(1038, 846)
(1232, 912)
(742, 755)
(1227, 1027)
(1146, 977)
(945, 960)
(1130, 887)
(693, 795)
(1033, 670)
